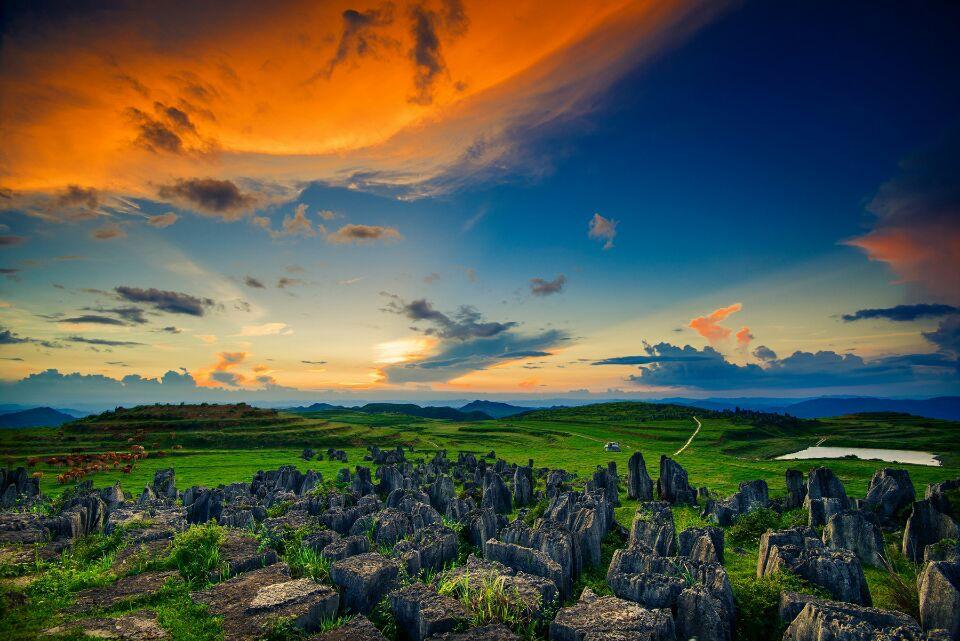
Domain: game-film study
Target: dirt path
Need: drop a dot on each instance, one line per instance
(692, 436)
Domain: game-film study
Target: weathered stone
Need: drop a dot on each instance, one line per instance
(358, 628)
(837, 571)
(364, 580)
(833, 621)
(639, 483)
(485, 633)
(791, 604)
(653, 526)
(820, 510)
(241, 552)
(796, 489)
(673, 485)
(822, 483)
(345, 547)
(939, 587)
(361, 485)
(441, 492)
(522, 486)
(390, 526)
(943, 550)
(751, 496)
(889, 494)
(496, 496)
(141, 625)
(701, 616)
(798, 536)
(252, 603)
(528, 560)
(595, 618)
(164, 484)
(925, 526)
(421, 612)
(693, 546)
(125, 589)
(853, 530)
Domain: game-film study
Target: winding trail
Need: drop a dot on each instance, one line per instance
(692, 436)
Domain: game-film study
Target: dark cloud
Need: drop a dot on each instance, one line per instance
(764, 353)
(359, 36)
(362, 234)
(541, 287)
(9, 338)
(314, 362)
(108, 233)
(162, 221)
(166, 301)
(219, 197)
(947, 336)
(526, 354)
(427, 59)
(917, 227)
(77, 196)
(9, 241)
(256, 283)
(673, 366)
(457, 357)
(103, 342)
(92, 319)
(154, 135)
(170, 329)
(903, 312)
(227, 378)
(284, 282)
(465, 323)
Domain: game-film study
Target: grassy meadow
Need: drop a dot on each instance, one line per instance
(727, 450)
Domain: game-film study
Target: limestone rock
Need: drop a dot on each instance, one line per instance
(653, 526)
(673, 485)
(853, 530)
(639, 483)
(939, 587)
(596, 618)
(834, 621)
(364, 580)
(421, 612)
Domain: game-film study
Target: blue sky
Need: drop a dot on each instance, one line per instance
(795, 160)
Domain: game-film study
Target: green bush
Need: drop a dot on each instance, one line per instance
(304, 561)
(196, 553)
(758, 605)
(749, 527)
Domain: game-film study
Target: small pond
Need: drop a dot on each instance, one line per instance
(866, 453)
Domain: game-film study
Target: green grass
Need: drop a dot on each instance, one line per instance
(222, 449)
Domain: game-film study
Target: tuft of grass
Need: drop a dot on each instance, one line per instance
(304, 561)
(897, 587)
(196, 553)
(381, 616)
(488, 600)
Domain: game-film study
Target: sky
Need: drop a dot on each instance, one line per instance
(454, 199)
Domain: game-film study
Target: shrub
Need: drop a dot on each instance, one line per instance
(758, 604)
(750, 526)
(898, 583)
(381, 616)
(196, 553)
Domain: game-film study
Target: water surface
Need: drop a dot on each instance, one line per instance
(866, 453)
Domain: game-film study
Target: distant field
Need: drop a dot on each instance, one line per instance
(726, 451)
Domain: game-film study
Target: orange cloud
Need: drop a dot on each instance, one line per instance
(924, 253)
(744, 337)
(294, 90)
(709, 327)
(220, 372)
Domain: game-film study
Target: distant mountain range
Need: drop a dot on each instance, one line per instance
(495, 409)
(35, 417)
(409, 409)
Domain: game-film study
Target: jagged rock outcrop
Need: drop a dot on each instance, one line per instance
(798, 537)
(926, 525)
(939, 588)
(639, 483)
(523, 486)
(751, 496)
(609, 618)
(796, 489)
(364, 579)
(164, 484)
(837, 571)
(703, 544)
(826, 496)
(495, 494)
(889, 494)
(17, 485)
(858, 532)
(653, 527)
(673, 486)
(421, 612)
(821, 620)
